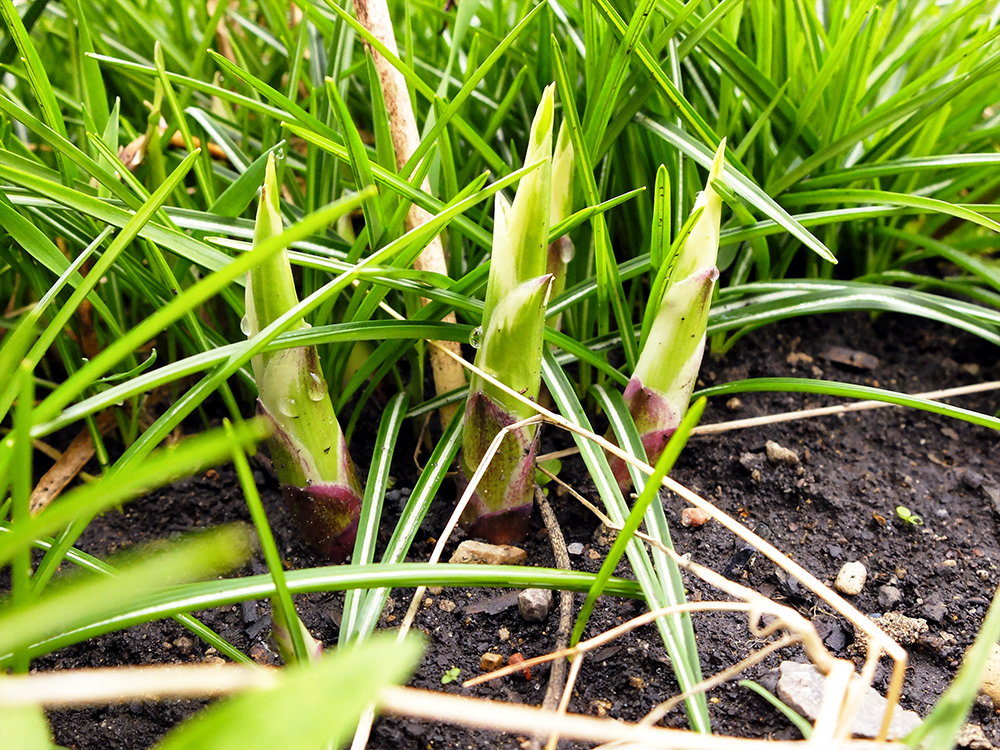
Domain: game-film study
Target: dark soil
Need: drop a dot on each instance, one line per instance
(837, 506)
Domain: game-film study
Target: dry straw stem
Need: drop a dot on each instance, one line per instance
(90, 687)
(374, 16)
(99, 687)
(879, 640)
(504, 717)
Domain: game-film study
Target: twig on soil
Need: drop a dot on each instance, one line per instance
(609, 635)
(557, 675)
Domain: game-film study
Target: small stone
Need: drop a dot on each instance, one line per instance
(985, 703)
(576, 548)
(801, 686)
(604, 535)
(600, 708)
(261, 654)
(851, 578)
(934, 611)
(489, 661)
(889, 597)
(213, 659)
(734, 404)
(435, 590)
(949, 563)
(973, 737)
(637, 682)
(534, 604)
(428, 602)
(446, 605)
(778, 454)
(480, 553)
(694, 518)
(184, 644)
(593, 554)
(991, 675)
(798, 358)
(902, 629)
(503, 634)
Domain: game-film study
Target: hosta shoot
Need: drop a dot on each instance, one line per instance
(510, 349)
(308, 449)
(658, 393)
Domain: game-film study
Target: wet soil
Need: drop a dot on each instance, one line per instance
(836, 505)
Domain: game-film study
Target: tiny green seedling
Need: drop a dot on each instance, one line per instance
(909, 516)
(451, 675)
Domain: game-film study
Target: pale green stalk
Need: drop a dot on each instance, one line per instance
(561, 251)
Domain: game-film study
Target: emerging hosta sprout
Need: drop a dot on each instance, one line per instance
(510, 350)
(307, 446)
(660, 389)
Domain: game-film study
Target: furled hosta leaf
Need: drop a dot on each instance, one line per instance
(665, 375)
(308, 448)
(510, 350)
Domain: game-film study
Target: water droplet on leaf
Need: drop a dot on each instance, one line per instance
(287, 407)
(245, 325)
(316, 387)
(476, 337)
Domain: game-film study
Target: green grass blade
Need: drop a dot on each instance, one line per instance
(371, 508)
(849, 390)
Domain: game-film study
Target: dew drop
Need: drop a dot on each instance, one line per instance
(245, 325)
(287, 406)
(279, 153)
(316, 387)
(476, 337)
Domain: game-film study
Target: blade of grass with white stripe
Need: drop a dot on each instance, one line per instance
(371, 509)
(607, 487)
(424, 492)
(623, 427)
(609, 286)
(848, 390)
(647, 495)
(226, 592)
(90, 563)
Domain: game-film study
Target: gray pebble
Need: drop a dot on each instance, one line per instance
(889, 597)
(534, 604)
(801, 686)
(934, 611)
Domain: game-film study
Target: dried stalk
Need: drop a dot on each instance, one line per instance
(374, 16)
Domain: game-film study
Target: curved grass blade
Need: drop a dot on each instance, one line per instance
(424, 492)
(848, 390)
(565, 398)
(226, 592)
(650, 492)
(371, 508)
(738, 183)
